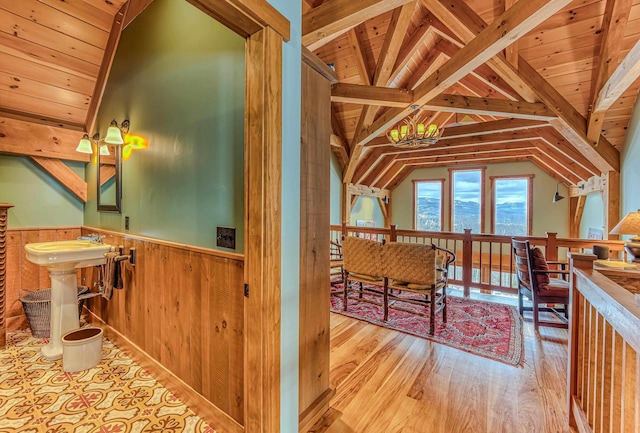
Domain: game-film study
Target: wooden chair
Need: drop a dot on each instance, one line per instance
(362, 265)
(532, 272)
(417, 268)
(336, 262)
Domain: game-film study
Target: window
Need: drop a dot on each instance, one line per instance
(427, 209)
(511, 210)
(466, 200)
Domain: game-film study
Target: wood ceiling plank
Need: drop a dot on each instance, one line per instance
(47, 57)
(367, 163)
(57, 20)
(434, 59)
(571, 124)
(472, 159)
(108, 6)
(36, 89)
(25, 138)
(64, 175)
(334, 17)
(40, 120)
(83, 11)
(491, 127)
(510, 26)
(386, 173)
(35, 71)
(40, 107)
(408, 50)
(22, 28)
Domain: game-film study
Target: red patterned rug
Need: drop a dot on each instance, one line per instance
(482, 328)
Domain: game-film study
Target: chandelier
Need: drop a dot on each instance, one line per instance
(413, 135)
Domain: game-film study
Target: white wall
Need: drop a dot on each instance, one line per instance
(547, 216)
(367, 208)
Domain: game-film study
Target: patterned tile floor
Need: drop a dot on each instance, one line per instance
(116, 396)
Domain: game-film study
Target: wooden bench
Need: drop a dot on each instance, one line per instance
(388, 269)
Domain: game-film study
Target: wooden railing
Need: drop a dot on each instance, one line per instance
(603, 376)
(484, 262)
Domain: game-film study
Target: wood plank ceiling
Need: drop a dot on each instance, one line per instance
(548, 81)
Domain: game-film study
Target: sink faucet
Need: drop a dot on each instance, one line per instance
(93, 237)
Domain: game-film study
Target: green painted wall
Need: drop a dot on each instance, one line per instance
(178, 76)
(592, 215)
(335, 178)
(547, 216)
(629, 173)
(40, 201)
(367, 208)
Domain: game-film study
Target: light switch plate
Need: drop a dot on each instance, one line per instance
(226, 237)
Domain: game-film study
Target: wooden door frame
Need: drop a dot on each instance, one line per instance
(265, 29)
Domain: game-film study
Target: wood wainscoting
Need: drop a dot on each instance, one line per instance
(183, 307)
(22, 274)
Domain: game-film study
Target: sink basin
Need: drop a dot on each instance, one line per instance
(66, 254)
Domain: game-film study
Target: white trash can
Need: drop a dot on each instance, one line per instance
(81, 349)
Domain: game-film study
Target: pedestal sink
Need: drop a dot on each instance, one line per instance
(61, 259)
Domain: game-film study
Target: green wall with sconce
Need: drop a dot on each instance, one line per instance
(39, 200)
(183, 91)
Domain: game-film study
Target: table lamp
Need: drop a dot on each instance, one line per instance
(630, 225)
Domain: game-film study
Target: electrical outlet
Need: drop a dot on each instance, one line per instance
(226, 237)
(126, 223)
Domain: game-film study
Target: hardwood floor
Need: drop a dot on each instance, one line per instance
(391, 382)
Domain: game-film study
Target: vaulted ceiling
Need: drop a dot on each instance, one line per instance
(553, 82)
(547, 81)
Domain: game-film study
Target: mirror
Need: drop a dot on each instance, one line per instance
(110, 179)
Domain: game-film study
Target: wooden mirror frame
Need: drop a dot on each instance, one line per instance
(117, 206)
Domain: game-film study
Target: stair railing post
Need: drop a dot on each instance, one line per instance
(467, 262)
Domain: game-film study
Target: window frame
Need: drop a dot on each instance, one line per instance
(482, 170)
(529, 178)
(415, 199)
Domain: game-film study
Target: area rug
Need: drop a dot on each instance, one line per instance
(482, 328)
(116, 396)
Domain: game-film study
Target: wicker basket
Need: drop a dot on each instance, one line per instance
(37, 308)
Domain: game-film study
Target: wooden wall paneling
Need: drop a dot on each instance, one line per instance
(314, 256)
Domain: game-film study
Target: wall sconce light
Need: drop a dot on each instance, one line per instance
(84, 146)
(557, 196)
(385, 200)
(115, 132)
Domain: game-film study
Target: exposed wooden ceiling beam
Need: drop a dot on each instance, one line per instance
(370, 95)
(511, 25)
(42, 120)
(105, 68)
(466, 24)
(334, 17)
(511, 52)
(319, 66)
(553, 138)
(571, 124)
(18, 137)
(398, 26)
(64, 175)
(564, 163)
(490, 107)
(361, 64)
(339, 149)
(626, 73)
(543, 160)
(614, 22)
